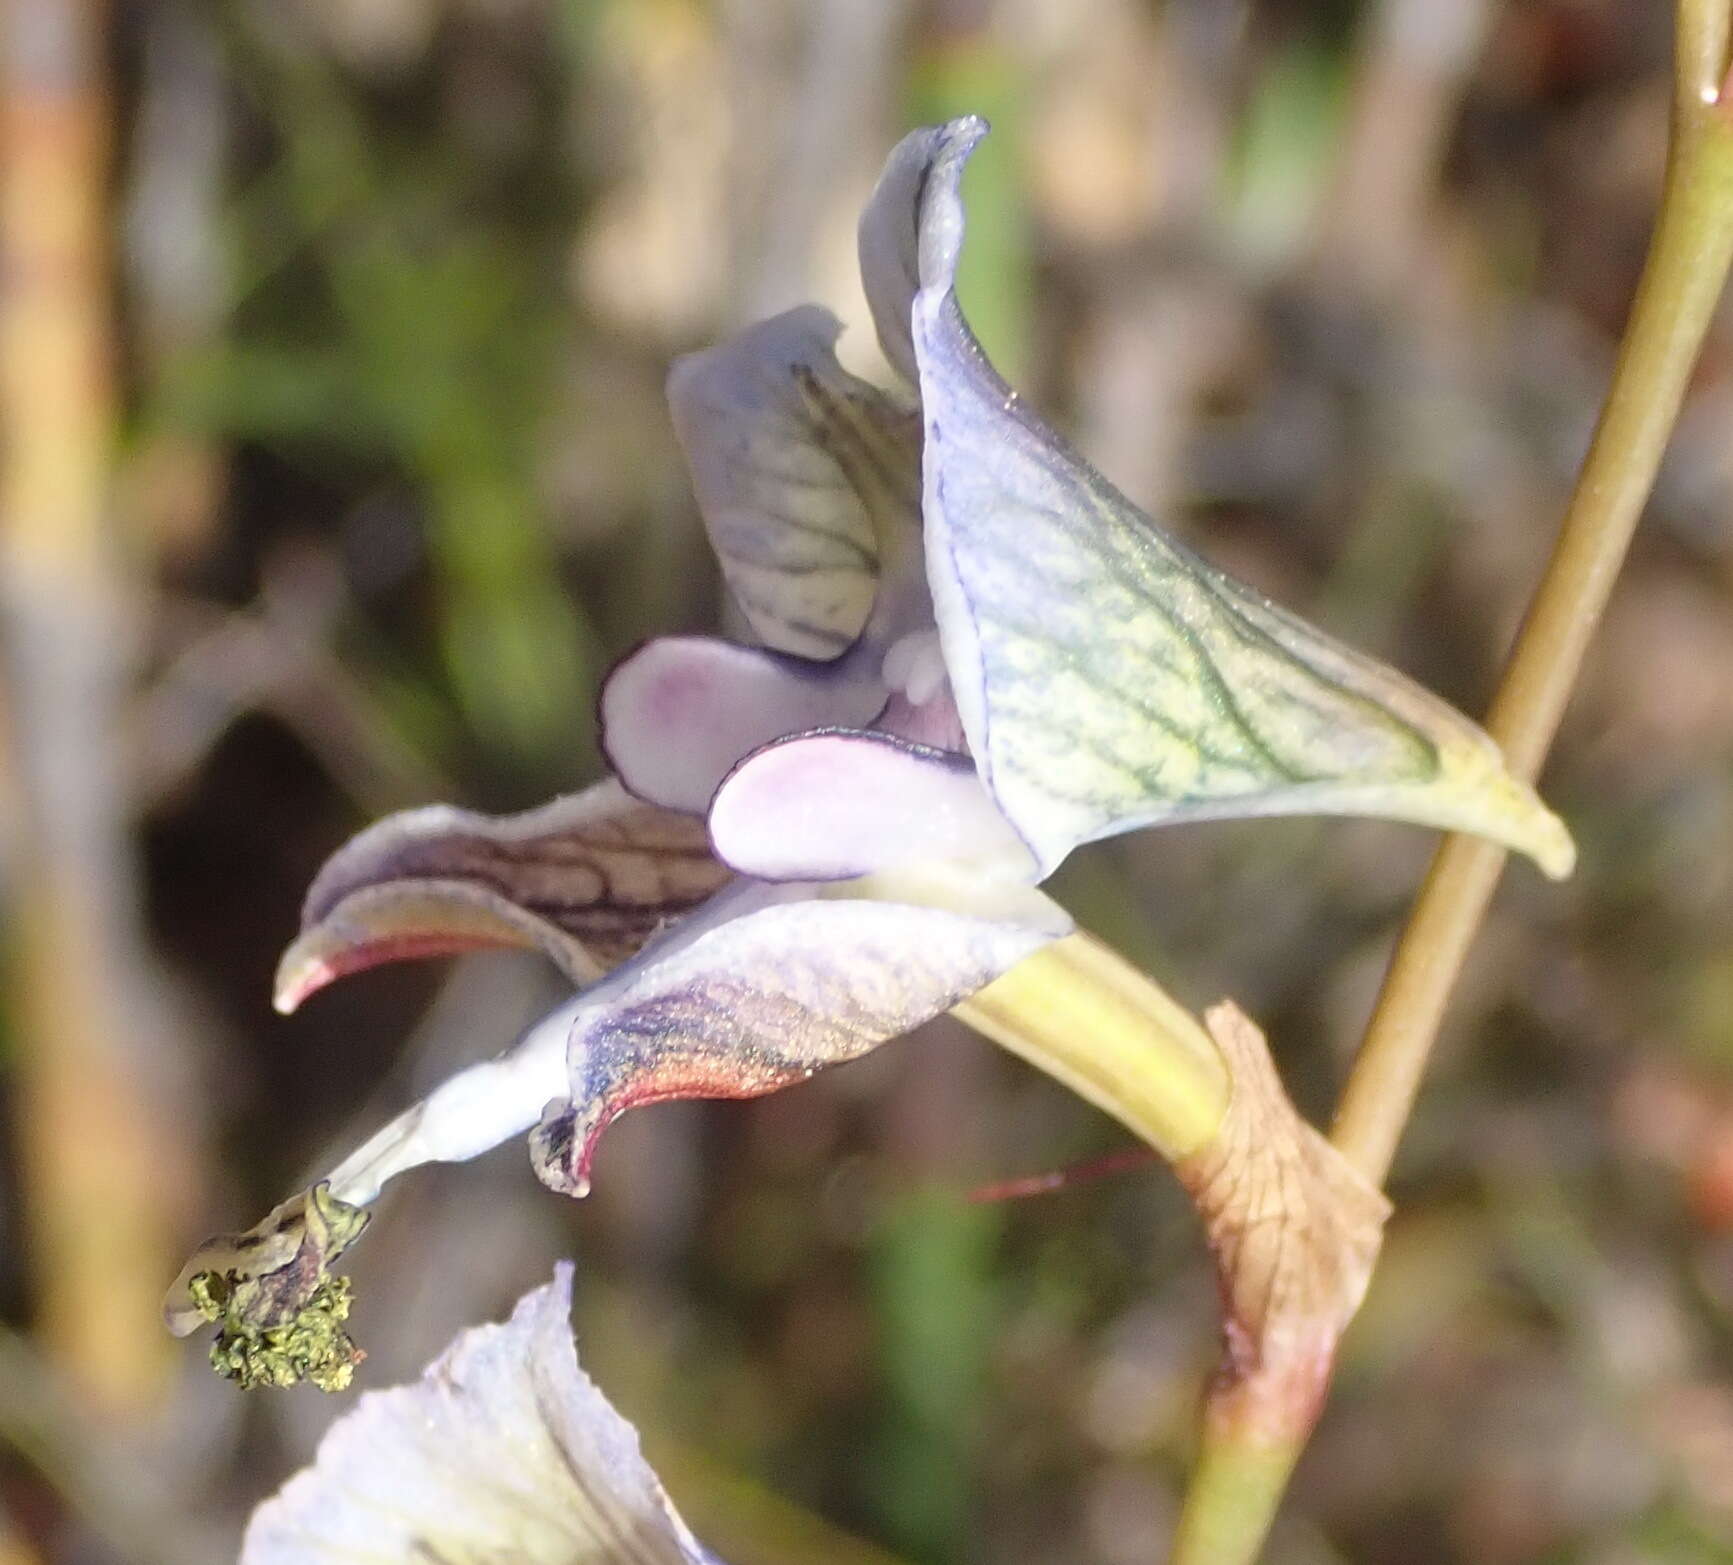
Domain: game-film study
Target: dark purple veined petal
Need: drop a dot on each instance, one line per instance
(587, 879)
(831, 806)
(808, 479)
(504, 1450)
(1107, 677)
(783, 982)
(682, 711)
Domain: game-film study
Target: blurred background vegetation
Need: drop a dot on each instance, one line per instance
(334, 470)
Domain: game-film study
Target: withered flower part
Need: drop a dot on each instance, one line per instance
(278, 1312)
(1294, 1229)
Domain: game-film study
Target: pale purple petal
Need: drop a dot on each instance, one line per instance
(682, 711)
(503, 1450)
(807, 477)
(784, 982)
(837, 805)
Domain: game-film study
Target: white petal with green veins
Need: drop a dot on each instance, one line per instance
(1108, 678)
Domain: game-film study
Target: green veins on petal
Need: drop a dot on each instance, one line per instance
(1109, 678)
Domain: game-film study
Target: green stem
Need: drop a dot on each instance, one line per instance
(1244, 1464)
(1233, 1494)
(1083, 1014)
(1681, 283)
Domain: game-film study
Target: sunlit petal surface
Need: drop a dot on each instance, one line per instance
(682, 711)
(775, 984)
(830, 806)
(504, 1450)
(1107, 677)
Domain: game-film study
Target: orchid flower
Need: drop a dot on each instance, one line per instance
(1099, 675)
(974, 655)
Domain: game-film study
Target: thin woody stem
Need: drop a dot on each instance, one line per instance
(1681, 283)
(1701, 50)
(1244, 1464)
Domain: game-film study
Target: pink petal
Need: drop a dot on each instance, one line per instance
(680, 713)
(836, 805)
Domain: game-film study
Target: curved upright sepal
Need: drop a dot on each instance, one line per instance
(888, 241)
(1108, 678)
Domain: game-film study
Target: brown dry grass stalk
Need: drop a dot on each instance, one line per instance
(93, 1166)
